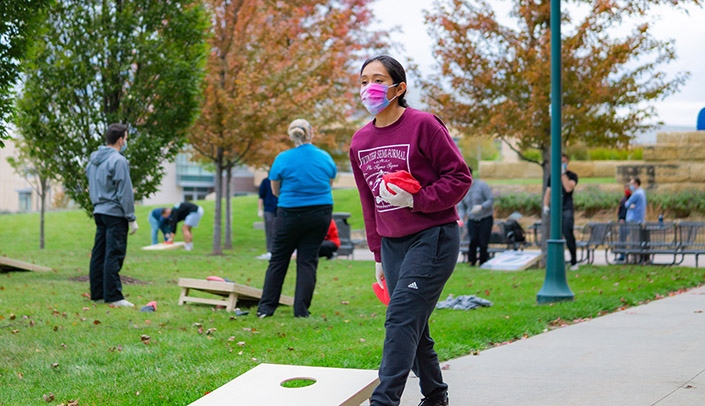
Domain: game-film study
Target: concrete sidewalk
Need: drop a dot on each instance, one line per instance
(647, 355)
(652, 354)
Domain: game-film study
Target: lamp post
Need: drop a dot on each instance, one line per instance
(555, 287)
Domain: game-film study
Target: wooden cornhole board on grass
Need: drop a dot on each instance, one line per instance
(262, 385)
(229, 291)
(9, 264)
(164, 246)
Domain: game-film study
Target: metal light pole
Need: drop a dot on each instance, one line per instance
(555, 287)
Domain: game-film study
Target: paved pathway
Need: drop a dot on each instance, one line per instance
(652, 354)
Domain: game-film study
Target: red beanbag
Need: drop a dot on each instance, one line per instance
(381, 291)
(403, 180)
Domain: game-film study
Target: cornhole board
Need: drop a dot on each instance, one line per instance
(229, 291)
(9, 264)
(512, 260)
(164, 246)
(262, 385)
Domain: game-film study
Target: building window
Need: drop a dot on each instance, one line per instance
(195, 193)
(25, 200)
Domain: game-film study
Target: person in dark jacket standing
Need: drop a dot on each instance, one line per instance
(190, 214)
(569, 180)
(267, 209)
(414, 236)
(110, 190)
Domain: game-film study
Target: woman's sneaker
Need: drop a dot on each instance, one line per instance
(121, 303)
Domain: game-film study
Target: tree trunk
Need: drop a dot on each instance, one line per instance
(217, 220)
(228, 209)
(42, 209)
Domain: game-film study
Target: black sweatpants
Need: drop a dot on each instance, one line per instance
(301, 229)
(416, 268)
(569, 234)
(109, 248)
(479, 233)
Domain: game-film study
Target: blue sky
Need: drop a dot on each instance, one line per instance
(687, 30)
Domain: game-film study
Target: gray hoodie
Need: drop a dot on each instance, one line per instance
(481, 194)
(109, 184)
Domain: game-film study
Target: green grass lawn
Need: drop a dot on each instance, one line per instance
(54, 340)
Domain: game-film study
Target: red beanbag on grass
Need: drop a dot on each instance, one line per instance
(403, 180)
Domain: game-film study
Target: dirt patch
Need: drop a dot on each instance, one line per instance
(126, 280)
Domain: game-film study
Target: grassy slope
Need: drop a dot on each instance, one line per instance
(54, 340)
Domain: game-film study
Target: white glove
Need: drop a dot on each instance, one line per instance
(260, 213)
(379, 273)
(133, 227)
(476, 209)
(402, 198)
(546, 209)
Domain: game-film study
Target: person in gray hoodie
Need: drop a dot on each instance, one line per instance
(110, 190)
(477, 210)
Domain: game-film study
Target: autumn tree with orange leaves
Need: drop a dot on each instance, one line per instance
(494, 80)
(272, 62)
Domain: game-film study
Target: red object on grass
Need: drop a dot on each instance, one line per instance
(153, 304)
(402, 179)
(381, 291)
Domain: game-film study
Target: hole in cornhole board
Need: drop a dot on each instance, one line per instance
(297, 382)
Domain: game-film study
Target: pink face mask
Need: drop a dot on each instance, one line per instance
(374, 97)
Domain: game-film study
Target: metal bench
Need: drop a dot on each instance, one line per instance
(594, 235)
(691, 240)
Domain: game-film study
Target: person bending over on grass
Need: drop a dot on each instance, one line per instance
(414, 237)
(190, 214)
(157, 222)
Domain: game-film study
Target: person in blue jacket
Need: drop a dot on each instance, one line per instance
(157, 221)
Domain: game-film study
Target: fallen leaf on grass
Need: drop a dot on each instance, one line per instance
(54, 365)
(96, 322)
(145, 338)
(48, 397)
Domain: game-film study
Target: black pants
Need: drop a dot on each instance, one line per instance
(301, 229)
(327, 249)
(107, 256)
(416, 268)
(569, 234)
(479, 232)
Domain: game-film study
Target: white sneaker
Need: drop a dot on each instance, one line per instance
(121, 303)
(574, 267)
(266, 256)
(188, 246)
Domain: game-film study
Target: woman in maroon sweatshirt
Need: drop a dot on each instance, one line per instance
(414, 237)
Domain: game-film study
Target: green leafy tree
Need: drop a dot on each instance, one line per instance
(495, 80)
(271, 62)
(101, 62)
(19, 20)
